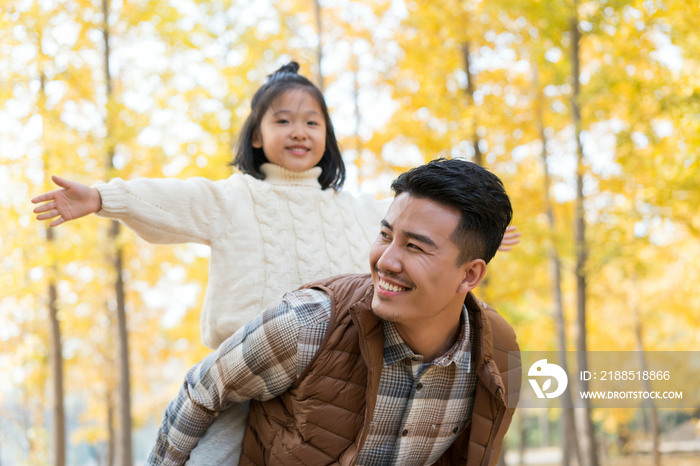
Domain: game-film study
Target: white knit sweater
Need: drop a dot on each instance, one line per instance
(267, 237)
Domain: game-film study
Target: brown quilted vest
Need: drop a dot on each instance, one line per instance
(322, 419)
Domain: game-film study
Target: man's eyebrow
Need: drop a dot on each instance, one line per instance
(422, 238)
(410, 234)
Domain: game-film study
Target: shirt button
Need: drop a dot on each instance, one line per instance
(414, 358)
(419, 386)
(405, 432)
(454, 431)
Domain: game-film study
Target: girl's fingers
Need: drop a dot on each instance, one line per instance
(57, 222)
(60, 181)
(50, 196)
(45, 207)
(48, 215)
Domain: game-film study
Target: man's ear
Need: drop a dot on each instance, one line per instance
(474, 272)
(256, 140)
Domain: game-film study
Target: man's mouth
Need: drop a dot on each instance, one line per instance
(389, 287)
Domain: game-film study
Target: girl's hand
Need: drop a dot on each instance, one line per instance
(510, 238)
(75, 200)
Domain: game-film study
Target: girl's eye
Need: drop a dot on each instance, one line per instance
(282, 121)
(313, 123)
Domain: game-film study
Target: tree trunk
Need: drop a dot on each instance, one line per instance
(649, 403)
(124, 455)
(59, 414)
(356, 101)
(471, 89)
(111, 434)
(123, 447)
(319, 47)
(27, 421)
(55, 350)
(588, 450)
(568, 429)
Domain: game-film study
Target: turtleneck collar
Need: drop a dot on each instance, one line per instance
(278, 175)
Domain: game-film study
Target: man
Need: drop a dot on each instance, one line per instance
(403, 367)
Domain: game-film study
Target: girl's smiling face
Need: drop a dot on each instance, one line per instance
(293, 131)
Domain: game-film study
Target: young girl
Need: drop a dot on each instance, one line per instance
(272, 228)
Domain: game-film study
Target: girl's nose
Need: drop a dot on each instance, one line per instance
(298, 132)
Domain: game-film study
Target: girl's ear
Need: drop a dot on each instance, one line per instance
(256, 140)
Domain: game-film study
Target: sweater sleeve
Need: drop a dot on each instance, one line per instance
(168, 211)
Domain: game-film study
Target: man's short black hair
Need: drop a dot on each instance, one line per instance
(476, 193)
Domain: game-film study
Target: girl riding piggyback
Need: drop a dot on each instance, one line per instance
(280, 223)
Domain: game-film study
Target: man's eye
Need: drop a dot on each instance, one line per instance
(383, 235)
(413, 246)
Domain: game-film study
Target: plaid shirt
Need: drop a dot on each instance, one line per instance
(420, 410)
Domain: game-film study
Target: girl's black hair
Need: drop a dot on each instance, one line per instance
(249, 159)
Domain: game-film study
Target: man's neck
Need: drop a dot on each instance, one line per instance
(431, 341)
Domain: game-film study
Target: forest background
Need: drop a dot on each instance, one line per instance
(589, 111)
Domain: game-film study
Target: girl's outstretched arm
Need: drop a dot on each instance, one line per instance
(510, 238)
(169, 210)
(73, 200)
(165, 211)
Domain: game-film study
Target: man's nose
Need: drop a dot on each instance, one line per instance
(390, 260)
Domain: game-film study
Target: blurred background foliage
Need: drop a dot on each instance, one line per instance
(407, 81)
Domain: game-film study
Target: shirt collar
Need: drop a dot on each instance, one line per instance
(395, 349)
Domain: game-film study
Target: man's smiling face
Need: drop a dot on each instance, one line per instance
(417, 281)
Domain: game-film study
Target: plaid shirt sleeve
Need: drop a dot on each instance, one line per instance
(260, 361)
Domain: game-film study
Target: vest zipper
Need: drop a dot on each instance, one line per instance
(489, 447)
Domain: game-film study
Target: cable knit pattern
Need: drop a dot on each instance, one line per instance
(334, 224)
(267, 237)
(347, 243)
(304, 230)
(269, 210)
(354, 236)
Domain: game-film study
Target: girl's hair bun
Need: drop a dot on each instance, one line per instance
(291, 67)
